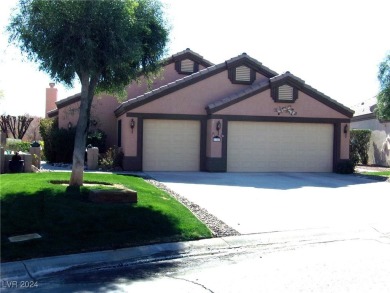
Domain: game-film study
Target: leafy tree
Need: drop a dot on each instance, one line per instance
(383, 98)
(106, 44)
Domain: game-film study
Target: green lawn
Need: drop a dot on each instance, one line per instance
(69, 223)
(378, 175)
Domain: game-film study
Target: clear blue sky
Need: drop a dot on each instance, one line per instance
(335, 45)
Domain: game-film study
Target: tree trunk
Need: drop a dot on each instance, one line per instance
(87, 93)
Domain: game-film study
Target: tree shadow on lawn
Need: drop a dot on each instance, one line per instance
(69, 223)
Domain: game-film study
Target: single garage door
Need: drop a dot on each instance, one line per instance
(279, 147)
(171, 145)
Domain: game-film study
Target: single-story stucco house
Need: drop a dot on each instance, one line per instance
(365, 118)
(236, 116)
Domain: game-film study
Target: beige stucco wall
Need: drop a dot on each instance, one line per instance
(129, 137)
(344, 142)
(102, 112)
(193, 99)
(262, 104)
(379, 151)
(167, 75)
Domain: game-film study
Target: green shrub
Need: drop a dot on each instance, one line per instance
(359, 145)
(345, 167)
(97, 138)
(113, 158)
(17, 145)
(43, 157)
(58, 143)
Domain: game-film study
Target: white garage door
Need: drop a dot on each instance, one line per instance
(279, 147)
(171, 145)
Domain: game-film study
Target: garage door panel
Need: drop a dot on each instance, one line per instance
(171, 145)
(279, 147)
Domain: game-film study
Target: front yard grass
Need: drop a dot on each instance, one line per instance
(380, 175)
(69, 223)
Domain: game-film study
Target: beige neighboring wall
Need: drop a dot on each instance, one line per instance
(379, 149)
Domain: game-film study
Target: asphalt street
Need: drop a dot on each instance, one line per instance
(357, 264)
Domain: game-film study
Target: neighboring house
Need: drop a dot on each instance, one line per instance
(365, 118)
(237, 116)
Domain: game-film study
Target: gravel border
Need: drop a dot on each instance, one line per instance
(217, 227)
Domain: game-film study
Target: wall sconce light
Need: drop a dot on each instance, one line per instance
(218, 126)
(69, 125)
(132, 124)
(345, 130)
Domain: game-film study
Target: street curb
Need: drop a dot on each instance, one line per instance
(35, 268)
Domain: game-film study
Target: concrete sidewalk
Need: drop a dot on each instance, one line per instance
(34, 269)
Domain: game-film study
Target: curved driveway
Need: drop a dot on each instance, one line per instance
(267, 202)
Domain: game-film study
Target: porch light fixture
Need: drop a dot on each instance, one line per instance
(218, 126)
(132, 124)
(345, 130)
(69, 125)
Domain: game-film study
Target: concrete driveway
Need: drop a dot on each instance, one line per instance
(267, 202)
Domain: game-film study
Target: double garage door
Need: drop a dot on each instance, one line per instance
(174, 145)
(279, 147)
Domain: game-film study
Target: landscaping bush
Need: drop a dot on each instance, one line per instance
(97, 138)
(359, 145)
(112, 159)
(59, 143)
(17, 145)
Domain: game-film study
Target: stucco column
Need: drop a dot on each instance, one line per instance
(36, 156)
(27, 162)
(214, 144)
(92, 158)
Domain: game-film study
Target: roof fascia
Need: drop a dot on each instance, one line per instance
(68, 101)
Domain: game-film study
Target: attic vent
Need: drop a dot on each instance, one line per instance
(187, 65)
(243, 73)
(286, 93)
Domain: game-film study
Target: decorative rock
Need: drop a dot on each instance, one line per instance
(217, 227)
